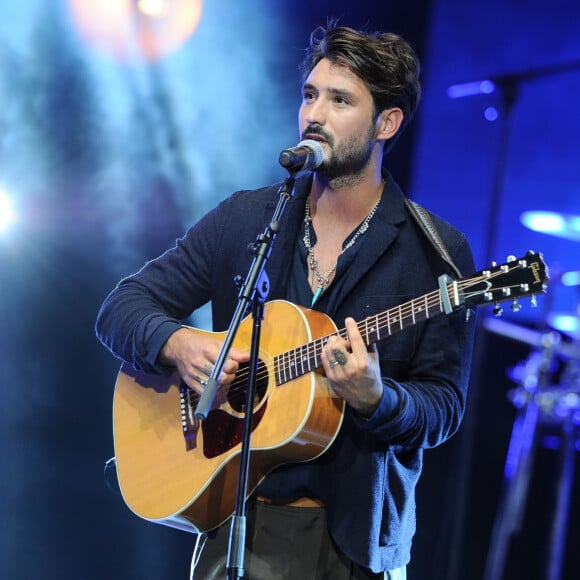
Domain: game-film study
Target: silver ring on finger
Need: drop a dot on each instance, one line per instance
(340, 357)
(200, 380)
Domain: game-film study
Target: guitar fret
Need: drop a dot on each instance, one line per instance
(420, 311)
(372, 333)
(316, 361)
(305, 357)
(292, 367)
(279, 368)
(286, 369)
(312, 355)
(377, 329)
(287, 376)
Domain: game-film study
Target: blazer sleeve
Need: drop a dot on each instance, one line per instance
(140, 314)
(431, 397)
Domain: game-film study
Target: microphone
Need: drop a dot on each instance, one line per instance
(308, 154)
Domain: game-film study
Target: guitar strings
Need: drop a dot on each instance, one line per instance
(385, 319)
(403, 311)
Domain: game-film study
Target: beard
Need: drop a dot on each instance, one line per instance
(349, 158)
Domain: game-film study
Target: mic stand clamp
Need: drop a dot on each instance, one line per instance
(253, 291)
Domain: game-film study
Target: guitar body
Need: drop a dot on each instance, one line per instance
(189, 481)
(176, 470)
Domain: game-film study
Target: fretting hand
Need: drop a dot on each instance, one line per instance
(353, 372)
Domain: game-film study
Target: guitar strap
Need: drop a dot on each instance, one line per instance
(425, 223)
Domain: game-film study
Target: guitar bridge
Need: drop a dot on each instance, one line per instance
(189, 422)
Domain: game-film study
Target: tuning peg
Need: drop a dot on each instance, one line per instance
(534, 301)
(498, 310)
(516, 306)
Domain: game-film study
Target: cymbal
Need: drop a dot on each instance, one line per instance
(562, 225)
(565, 322)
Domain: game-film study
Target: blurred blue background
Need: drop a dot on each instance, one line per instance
(120, 128)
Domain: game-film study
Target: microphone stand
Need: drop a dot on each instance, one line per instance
(254, 290)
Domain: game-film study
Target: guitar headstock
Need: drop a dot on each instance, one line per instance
(515, 279)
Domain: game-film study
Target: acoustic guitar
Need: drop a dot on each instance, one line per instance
(179, 471)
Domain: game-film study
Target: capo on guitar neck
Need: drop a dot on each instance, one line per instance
(444, 280)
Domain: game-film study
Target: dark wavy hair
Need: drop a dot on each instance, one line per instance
(385, 62)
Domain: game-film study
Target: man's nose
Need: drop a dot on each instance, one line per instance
(316, 113)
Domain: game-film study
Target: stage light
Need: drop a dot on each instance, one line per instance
(557, 224)
(460, 90)
(8, 214)
(154, 8)
(132, 30)
(543, 221)
(566, 322)
(570, 278)
(491, 114)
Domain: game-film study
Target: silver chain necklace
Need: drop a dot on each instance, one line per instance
(320, 279)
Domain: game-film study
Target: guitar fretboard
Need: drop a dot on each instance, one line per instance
(306, 358)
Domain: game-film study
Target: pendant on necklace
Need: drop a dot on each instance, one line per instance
(316, 296)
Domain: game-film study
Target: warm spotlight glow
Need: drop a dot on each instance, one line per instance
(153, 8)
(133, 30)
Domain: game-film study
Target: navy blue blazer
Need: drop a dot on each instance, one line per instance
(367, 477)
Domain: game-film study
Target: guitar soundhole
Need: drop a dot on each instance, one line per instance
(237, 393)
(221, 430)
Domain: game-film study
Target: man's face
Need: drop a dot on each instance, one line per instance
(337, 110)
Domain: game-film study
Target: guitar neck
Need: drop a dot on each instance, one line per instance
(526, 276)
(304, 359)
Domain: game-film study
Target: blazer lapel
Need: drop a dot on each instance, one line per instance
(381, 234)
(384, 229)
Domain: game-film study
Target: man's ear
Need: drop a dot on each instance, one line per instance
(389, 122)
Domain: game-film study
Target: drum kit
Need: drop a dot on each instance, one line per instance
(547, 412)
